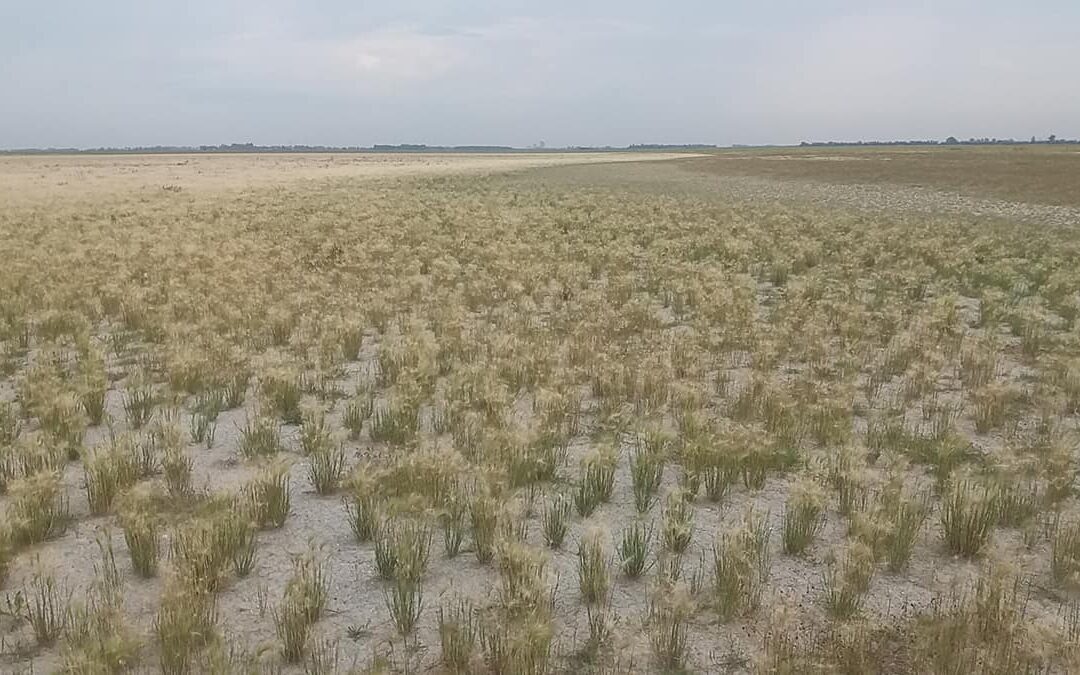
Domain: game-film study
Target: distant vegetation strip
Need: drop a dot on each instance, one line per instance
(401, 148)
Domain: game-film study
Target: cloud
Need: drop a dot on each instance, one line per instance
(370, 62)
(512, 71)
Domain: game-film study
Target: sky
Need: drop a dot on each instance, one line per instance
(510, 72)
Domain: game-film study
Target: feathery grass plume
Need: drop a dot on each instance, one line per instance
(38, 508)
(325, 468)
(7, 467)
(357, 410)
(10, 424)
(234, 389)
(646, 472)
(513, 522)
(847, 580)
(282, 391)
(238, 535)
(593, 575)
(737, 579)
(139, 402)
(600, 470)
(199, 554)
(405, 601)
(142, 534)
(968, 515)
(314, 433)
(177, 468)
(362, 507)
(522, 646)
(185, 624)
(555, 520)
(1065, 551)
(1019, 501)
(395, 422)
(7, 552)
(981, 626)
(203, 428)
(35, 455)
(64, 421)
(993, 403)
(269, 496)
(847, 475)
(803, 517)
(668, 613)
(905, 515)
(634, 548)
(586, 498)
(107, 473)
(483, 518)
(453, 519)
(143, 453)
(458, 629)
(260, 437)
(309, 584)
(677, 529)
(518, 636)
(717, 473)
(98, 639)
(209, 403)
(402, 549)
(92, 398)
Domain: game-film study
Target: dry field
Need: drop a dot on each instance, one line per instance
(1038, 174)
(487, 415)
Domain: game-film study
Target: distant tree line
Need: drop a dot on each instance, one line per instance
(951, 140)
(399, 148)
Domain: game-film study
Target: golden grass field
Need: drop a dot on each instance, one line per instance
(540, 413)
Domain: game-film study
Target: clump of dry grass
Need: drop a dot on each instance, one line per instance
(968, 516)
(646, 472)
(108, 473)
(633, 549)
(185, 624)
(282, 392)
(457, 634)
(847, 580)
(260, 437)
(667, 620)
(142, 533)
(139, 403)
(593, 576)
(44, 606)
(326, 465)
(677, 525)
(803, 517)
(741, 567)
(302, 604)
(38, 508)
(483, 518)
(269, 497)
(554, 520)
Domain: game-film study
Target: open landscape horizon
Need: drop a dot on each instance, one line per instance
(563, 338)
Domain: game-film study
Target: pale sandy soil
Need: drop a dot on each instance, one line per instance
(55, 179)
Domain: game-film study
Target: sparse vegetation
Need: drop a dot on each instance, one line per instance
(524, 364)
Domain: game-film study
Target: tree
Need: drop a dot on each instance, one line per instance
(951, 140)
(1052, 138)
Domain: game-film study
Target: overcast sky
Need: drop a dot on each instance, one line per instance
(567, 72)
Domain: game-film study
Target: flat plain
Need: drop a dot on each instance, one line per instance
(784, 411)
